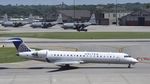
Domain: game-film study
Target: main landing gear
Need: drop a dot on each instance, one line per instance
(129, 66)
(66, 66)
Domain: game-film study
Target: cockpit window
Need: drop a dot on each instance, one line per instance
(127, 56)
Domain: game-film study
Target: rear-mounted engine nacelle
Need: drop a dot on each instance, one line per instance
(40, 54)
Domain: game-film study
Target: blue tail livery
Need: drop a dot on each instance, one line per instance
(20, 45)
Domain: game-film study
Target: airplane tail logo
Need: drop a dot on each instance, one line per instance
(59, 19)
(92, 19)
(20, 45)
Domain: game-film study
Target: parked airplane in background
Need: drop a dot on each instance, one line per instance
(14, 22)
(79, 26)
(66, 58)
(28, 20)
(47, 24)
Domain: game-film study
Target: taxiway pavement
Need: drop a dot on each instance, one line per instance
(32, 72)
(92, 28)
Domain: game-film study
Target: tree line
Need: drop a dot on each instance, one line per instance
(47, 10)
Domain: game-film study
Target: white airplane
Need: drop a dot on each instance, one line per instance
(47, 24)
(66, 58)
(92, 21)
(15, 22)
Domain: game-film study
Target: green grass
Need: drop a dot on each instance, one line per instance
(2, 30)
(8, 55)
(83, 35)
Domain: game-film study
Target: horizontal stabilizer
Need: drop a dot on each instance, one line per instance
(11, 40)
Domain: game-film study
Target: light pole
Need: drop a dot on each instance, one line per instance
(116, 12)
(74, 12)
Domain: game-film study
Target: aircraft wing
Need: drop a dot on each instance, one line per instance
(68, 62)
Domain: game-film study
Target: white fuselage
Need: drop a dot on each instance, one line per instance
(68, 25)
(8, 23)
(63, 57)
(73, 25)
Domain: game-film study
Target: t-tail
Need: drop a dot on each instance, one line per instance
(30, 19)
(5, 19)
(92, 19)
(20, 45)
(59, 19)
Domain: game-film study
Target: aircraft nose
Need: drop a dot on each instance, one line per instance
(134, 60)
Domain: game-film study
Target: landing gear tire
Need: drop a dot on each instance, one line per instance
(129, 66)
(66, 66)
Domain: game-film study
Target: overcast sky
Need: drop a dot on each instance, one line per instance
(54, 2)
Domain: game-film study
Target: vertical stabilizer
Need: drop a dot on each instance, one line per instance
(20, 45)
(30, 19)
(5, 19)
(92, 19)
(59, 19)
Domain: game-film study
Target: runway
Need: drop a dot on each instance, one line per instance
(33, 72)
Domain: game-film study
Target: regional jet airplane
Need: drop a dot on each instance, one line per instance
(66, 58)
